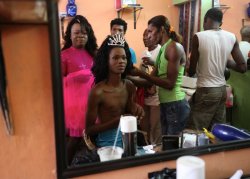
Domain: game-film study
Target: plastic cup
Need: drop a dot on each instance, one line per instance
(107, 153)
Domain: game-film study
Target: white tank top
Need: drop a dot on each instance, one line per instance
(215, 47)
(154, 99)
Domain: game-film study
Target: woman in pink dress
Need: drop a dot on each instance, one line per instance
(77, 58)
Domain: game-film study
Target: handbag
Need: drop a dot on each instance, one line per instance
(87, 152)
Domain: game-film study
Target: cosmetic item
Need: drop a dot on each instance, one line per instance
(129, 135)
(71, 8)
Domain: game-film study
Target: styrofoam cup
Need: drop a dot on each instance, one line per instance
(107, 153)
(128, 124)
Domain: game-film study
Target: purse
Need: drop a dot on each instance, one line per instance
(87, 152)
(87, 140)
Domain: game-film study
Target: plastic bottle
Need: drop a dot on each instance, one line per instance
(71, 8)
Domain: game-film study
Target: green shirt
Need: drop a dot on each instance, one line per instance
(176, 93)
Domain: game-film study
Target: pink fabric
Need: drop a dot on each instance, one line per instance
(77, 86)
(74, 59)
(78, 81)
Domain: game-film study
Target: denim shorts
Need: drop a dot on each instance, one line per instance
(174, 116)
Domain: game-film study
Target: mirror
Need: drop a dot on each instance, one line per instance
(63, 170)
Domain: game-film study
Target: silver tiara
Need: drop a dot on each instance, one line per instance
(117, 40)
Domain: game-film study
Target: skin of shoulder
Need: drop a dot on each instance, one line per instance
(172, 54)
(107, 104)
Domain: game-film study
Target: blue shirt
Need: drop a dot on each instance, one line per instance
(133, 56)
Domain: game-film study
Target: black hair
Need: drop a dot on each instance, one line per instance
(245, 33)
(162, 21)
(91, 45)
(100, 67)
(215, 14)
(119, 21)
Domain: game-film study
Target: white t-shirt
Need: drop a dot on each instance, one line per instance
(215, 47)
(244, 48)
(154, 99)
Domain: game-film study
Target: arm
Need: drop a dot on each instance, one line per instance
(91, 114)
(139, 82)
(239, 63)
(173, 57)
(132, 107)
(194, 56)
(63, 64)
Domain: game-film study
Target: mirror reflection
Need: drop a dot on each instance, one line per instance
(77, 59)
(103, 83)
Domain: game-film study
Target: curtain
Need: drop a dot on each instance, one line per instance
(189, 23)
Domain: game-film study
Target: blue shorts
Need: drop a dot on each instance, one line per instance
(174, 116)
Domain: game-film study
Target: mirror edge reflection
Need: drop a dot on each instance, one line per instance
(95, 168)
(63, 171)
(54, 40)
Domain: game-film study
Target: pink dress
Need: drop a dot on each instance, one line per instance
(78, 81)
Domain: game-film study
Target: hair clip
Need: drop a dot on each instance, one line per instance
(117, 40)
(171, 29)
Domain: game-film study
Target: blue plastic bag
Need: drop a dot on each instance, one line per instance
(226, 132)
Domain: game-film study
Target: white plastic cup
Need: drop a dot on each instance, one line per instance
(107, 153)
(190, 167)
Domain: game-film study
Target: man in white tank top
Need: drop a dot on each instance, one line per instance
(211, 51)
(245, 41)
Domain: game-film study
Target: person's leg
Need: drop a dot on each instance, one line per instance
(220, 114)
(170, 124)
(72, 146)
(204, 105)
(155, 125)
(183, 114)
(163, 118)
(144, 123)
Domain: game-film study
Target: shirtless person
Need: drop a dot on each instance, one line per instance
(113, 95)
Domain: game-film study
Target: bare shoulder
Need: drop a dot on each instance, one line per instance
(97, 90)
(174, 47)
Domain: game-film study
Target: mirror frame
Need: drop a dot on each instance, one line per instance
(63, 171)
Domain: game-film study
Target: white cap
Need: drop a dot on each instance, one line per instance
(190, 167)
(128, 124)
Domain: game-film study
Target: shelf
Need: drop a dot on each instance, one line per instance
(64, 19)
(23, 12)
(134, 8)
(223, 7)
